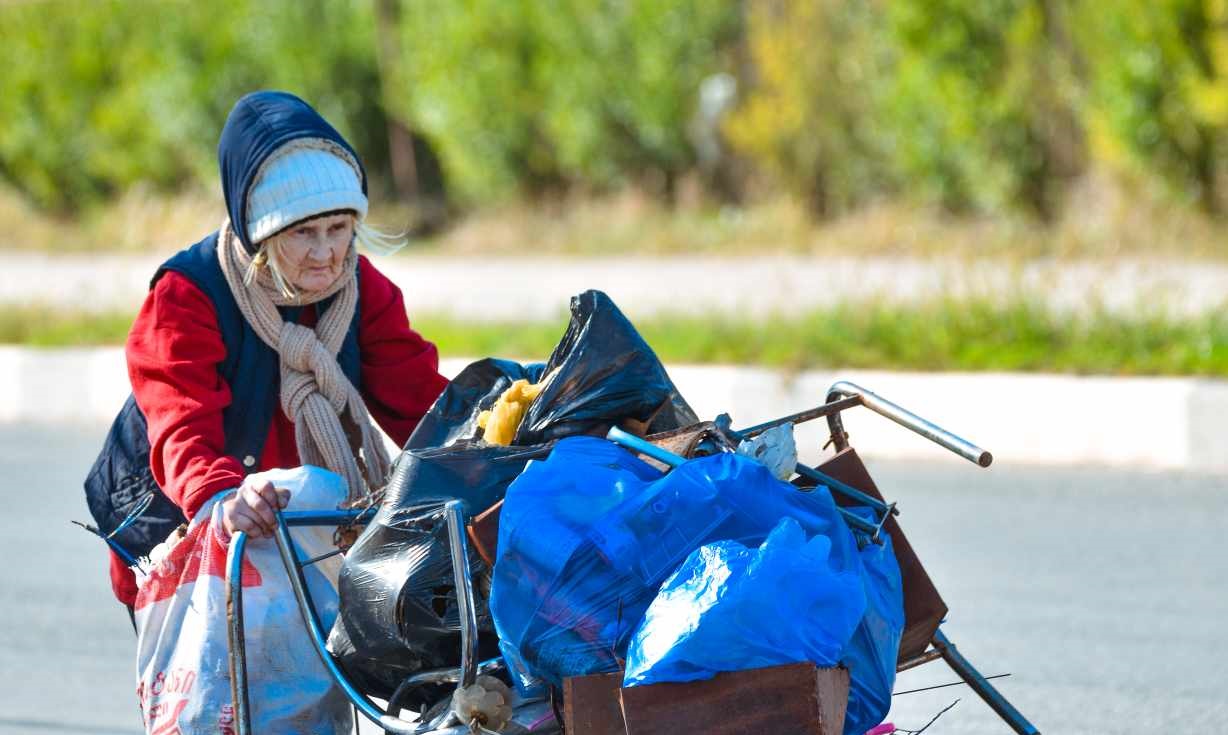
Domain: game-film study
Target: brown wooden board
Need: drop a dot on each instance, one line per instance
(794, 699)
(591, 705)
(923, 606)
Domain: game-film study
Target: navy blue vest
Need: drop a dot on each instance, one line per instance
(121, 479)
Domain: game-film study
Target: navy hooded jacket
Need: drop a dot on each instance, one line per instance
(121, 481)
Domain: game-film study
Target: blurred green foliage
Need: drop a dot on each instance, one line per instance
(540, 94)
(976, 335)
(812, 96)
(992, 106)
(1159, 89)
(96, 96)
(980, 104)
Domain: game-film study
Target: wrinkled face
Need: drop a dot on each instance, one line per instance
(312, 253)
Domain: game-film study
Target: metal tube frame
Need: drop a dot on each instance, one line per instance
(981, 686)
(722, 424)
(453, 517)
(902, 416)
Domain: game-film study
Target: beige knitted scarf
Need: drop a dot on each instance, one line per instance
(331, 425)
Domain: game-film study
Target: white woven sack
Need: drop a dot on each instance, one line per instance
(183, 675)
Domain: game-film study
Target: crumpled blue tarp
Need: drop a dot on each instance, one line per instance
(588, 535)
(730, 607)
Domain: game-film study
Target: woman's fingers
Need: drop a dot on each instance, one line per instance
(237, 516)
(253, 509)
(263, 499)
(243, 519)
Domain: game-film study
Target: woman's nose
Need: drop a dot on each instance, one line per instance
(319, 247)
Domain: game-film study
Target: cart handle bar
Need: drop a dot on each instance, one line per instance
(902, 416)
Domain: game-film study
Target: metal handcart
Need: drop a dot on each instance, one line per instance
(844, 474)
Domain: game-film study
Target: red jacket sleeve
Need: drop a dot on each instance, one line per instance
(400, 369)
(173, 353)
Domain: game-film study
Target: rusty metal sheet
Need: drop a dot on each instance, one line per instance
(483, 532)
(924, 608)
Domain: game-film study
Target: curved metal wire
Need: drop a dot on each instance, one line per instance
(452, 512)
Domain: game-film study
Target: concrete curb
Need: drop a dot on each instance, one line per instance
(1161, 423)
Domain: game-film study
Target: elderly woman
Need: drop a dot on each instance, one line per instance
(272, 342)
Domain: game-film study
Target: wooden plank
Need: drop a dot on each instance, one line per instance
(795, 699)
(591, 705)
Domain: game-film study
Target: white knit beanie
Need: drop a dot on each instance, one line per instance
(299, 181)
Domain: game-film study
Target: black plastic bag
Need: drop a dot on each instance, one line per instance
(398, 610)
(606, 374)
(453, 417)
(398, 604)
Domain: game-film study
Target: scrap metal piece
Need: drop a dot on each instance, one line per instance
(982, 687)
(903, 417)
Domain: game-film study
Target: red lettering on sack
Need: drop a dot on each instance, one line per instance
(177, 681)
(170, 724)
(197, 554)
(225, 723)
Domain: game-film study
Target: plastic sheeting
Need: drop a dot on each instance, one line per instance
(729, 607)
(606, 374)
(602, 373)
(775, 448)
(398, 599)
(587, 536)
(872, 652)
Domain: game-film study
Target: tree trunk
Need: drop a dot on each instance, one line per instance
(401, 160)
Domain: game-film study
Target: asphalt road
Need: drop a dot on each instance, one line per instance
(1104, 594)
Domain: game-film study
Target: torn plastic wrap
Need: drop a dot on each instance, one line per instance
(398, 602)
(588, 535)
(774, 448)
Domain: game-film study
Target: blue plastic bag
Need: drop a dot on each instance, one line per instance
(587, 536)
(729, 607)
(872, 652)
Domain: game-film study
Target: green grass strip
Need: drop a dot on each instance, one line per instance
(45, 326)
(941, 335)
(952, 336)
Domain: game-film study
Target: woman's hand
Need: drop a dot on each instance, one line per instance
(251, 509)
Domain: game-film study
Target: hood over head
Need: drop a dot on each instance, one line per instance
(259, 125)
